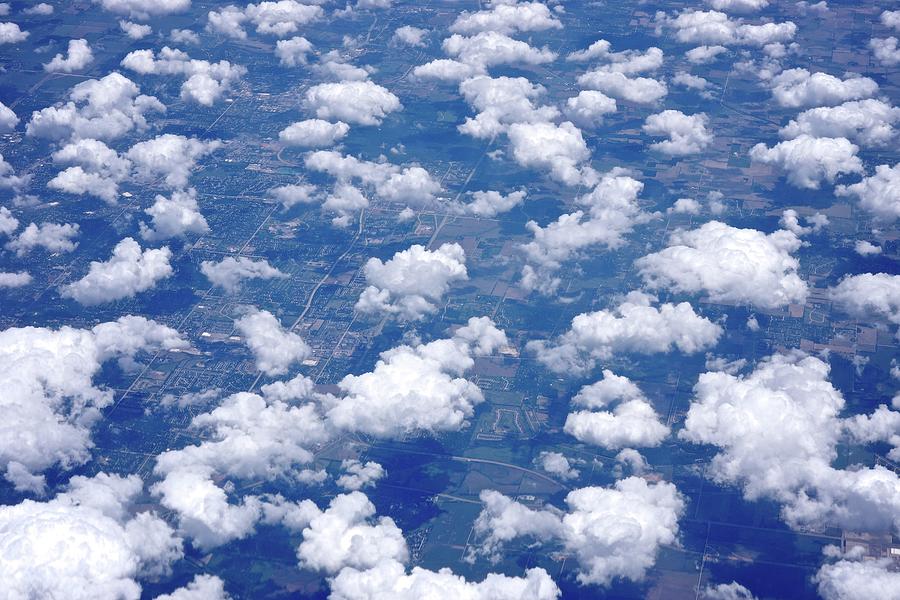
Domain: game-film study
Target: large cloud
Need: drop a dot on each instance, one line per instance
(8, 119)
(635, 325)
(411, 283)
(506, 18)
(501, 102)
(205, 82)
(53, 237)
(612, 532)
(878, 193)
(869, 296)
(175, 216)
(84, 543)
(49, 401)
(867, 122)
(279, 18)
(79, 56)
(144, 9)
(639, 90)
(797, 88)
(731, 265)
(489, 48)
(713, 27)
(810, 160)
(128, 271)
(849, 579)
(169, 156)
(559, 149)
(355, 102)
(687, 133)
(230, 272)
(313, 133)
(95, 169)
(274, 348)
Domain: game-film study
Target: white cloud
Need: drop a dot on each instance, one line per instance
(9, 179)
(293, 194)
(410, 36)
(144, 9)
(11, 34)
(777, 431)
(689, 81)
(716, 28)
(227, 21)
(202, 587)
(8, 223)
(42, 8)
(808, 161)
(282, 17)
(741, 6)
(489, 49)
(169, 156)
(879, 193)
(96, 170)
(501, 102)
(557, 464)
(135, 31)
(49, 401)
(632, 326)
(102, 109)
(798, 88)
(704, 54)
(727, 591)
(184, 36)
(84, 543)
(8, 119)
(867, 122)
(687, 133)
(588, 108)
(687, 206)
(613, 532)
(891, 18)
(412, 282)
(175, 216)
(313, 133)
(730, 265)
(506, 18)
(127, 272)
(866, 248)
(14, 280)
(53, 237)
(559, 149)
(639, 90)
(274, 348)
(849, 579)
(357, 475)
(416, 388)
(490, 203)
(355, 102)
(230, 272)
(869, 296)
(78, 57)
(885, 51)
(205, 82)
(293, 52)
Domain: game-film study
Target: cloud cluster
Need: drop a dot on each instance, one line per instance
(144, 9)
(869, 296)
(279, 18)
(53, 237)
(169, 157)
(78, 56)
(879, 193)
(410, 284)
(808, 161)
(867, 122)
(506, 18)
(489, 203)
(274, 348)
(635, 325)
(355, 102)
(687, 133)
(797, 88)
(849, 579)
(175, 216)
(716, 28)
(730, 265)
(205, 82)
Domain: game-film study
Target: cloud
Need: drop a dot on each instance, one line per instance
(79, 56)
(879, 193)
(84, 543)
(135, 31)
(588, 108)
(53, 237)
(282, 17)
(687, 206)
(639, 90)
(687, 133)
(798, 88)
(490, 49)
(416, 388)
(11, 34)
(506, 18)
(613, 532)
(96, 170)
(777, 431)
(632, 326)
(175, 216)
(313, 133)
(14, 280)
(355, 102)
(410, 284)
(274, 348)
(866, 248)
(8, 119)
(205, 82)
(501, 102)
(410, 36)
(169, 156)
(885, 51)
(202, 587)
(357, 475)
(293, 194)
(42, 8)
(490, 203)
(184, 36)
(869, 296)
(704, 54)
(9, 179)
(293, 52)
(127, 272)
(8, 223)
(445, 69)
(738, 5)
(230, 272)
(727, 591)
(144, 9)
(713, 27)
(557, 464)
(867, 122)
(858, 580)
(49, 401)
(730, 265)
(559, 149)
(891, 18)
(102, 109)
(808, 161)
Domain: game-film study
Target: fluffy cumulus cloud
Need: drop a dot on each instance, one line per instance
(416, 388)
(293, 52)
(489, 203)
(635, 325)
(144, 9)
(631, 422)
(777, 431)
(202, 587)
(128, 272)
(279, 18)
(869, 296)
(557, 464)
(8, 119)
(506, 18)
(84, 543)
(851, 579)
(738, 5)
(704, 54)
(687, 133)
(727, 591)
(135, 31)
(94, 169)
(885, 51)
(639, 90)
(355, 102)
(610, 212)
(879, 193)
(717, 28)
(357, 475)
(79, 56)
(52, 237)
(205, 82)
(175, 216)
(169, 157)
(50, 402)
(10, 33)
(612, 533)
(410, 36)
(103, 109)
(14, 280)
(501, 102)
(558, 149)
(588, 108)
(490, 49)
(867, 122)
(410, 284)
(798, 88)
(808, 161)
(293, 194)
(313, 133)
(230, 272)
(729, 264)
(274, 348)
